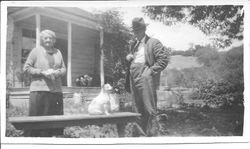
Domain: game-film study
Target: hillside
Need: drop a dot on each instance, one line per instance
(181, 62)
(177, 62)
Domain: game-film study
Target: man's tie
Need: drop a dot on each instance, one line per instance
(136, 46)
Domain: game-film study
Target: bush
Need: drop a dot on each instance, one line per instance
(225, 85)
(207, 56)
(219, 94)
(189, 77)
(215, 93)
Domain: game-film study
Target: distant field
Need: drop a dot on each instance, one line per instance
(178, 62)
(181, 62)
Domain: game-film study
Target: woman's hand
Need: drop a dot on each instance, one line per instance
(50, 74)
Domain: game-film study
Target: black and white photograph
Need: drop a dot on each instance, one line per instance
(124, 72)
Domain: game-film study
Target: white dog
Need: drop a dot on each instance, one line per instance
(102, 104)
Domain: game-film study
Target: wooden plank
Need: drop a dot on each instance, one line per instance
(70, 95)
(83, 60)
(66, 90)
(59, 121)
(83, 54)
(69, 71)
(68, 17)
(83, 51)
(19, 97)
(23, 14)
(86, 63)
(81, 70)
(38, 29)
(101, 58)
(17, 94)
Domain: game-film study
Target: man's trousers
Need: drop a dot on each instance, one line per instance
(143, 90)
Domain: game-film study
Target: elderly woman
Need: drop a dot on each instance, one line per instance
(46, 66)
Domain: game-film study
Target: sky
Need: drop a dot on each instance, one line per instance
(179, 37)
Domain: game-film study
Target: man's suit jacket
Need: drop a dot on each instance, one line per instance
(156, 58)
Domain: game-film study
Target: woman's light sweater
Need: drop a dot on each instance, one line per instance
(40, 60)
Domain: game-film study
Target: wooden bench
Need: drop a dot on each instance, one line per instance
(61, 121)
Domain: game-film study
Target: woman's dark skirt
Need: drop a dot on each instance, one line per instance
(43, 103)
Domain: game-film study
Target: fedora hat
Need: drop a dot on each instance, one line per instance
(138, 23)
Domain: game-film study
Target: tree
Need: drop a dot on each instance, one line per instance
(222, 22)
(231, 68)
(207, 56)
(116, 42)
(189, 52)
(117, 34)
(225, 87)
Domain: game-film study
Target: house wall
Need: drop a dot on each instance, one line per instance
(85, 56)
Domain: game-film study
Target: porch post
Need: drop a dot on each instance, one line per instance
(69, 80)
(38, 29)
(101, 57)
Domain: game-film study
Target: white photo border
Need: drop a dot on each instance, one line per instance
(153, 140)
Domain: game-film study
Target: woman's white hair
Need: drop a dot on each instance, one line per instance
(48, 32)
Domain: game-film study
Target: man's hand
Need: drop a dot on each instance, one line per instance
(147, 72)
(129, 57)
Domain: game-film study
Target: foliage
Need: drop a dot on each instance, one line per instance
(24, 78)
(91, 131)
(84, 80)
(119, 78)
(11, 112)
(117, 35)
(231, 67)
(208, 56)
(189, 77)
(116, 43)
(189, 52)
(227, 88)
(215, 93)
(195, 76)
(9, 84)
(223, 20)
(219, 82)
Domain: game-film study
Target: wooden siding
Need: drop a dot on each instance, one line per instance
(84, 43)
(9, 48)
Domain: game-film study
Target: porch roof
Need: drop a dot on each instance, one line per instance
(67, 14)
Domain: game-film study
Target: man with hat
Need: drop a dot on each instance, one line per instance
(147, 58)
